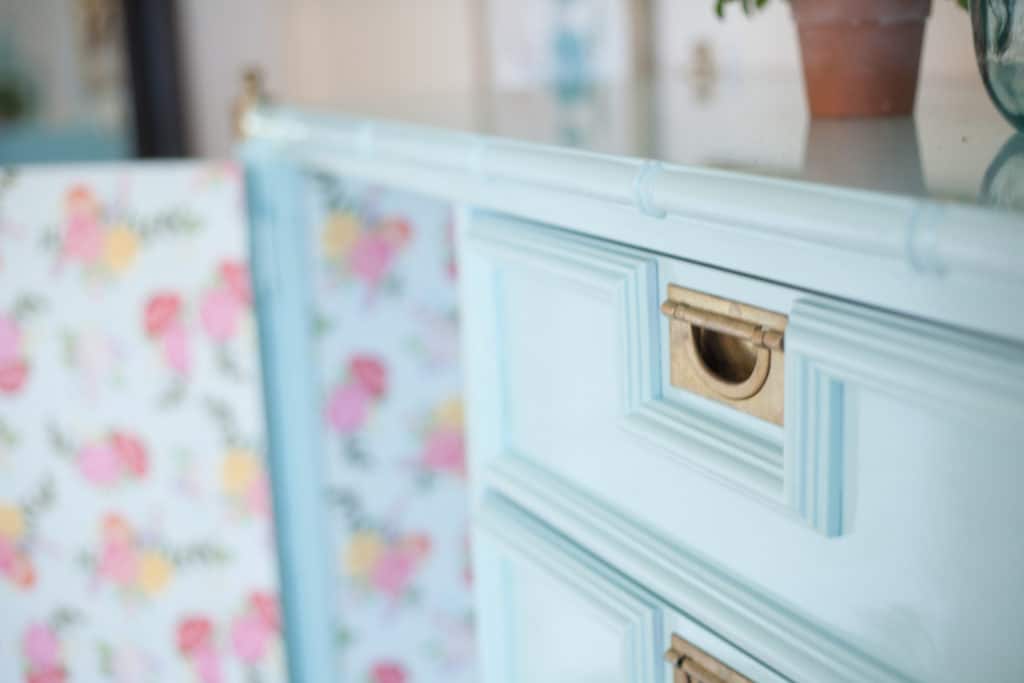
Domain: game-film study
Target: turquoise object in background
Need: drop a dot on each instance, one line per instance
(29, 133)
(25, 143)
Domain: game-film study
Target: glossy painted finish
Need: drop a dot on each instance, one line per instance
(872, 537)
(893, 428)
(952, 262)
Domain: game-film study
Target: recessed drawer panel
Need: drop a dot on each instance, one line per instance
(820, 543)
(581, 362)
(551, 612)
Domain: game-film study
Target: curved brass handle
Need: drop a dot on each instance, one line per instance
(728, 351)
(735, 390)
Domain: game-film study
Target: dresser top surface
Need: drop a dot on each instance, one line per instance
(956, 147)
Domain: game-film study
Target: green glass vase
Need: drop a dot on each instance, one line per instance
(999, 46)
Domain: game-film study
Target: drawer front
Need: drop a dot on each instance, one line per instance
(549, 611)
(819, 545)
(575, 345)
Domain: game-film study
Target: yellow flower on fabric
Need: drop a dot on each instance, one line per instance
(12, 522)
(362, 552)
(238, 471)
(340, 232)
(154, 572)
(449, 413)
(120, 245)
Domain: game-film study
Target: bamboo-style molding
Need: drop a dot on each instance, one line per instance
(932, 237)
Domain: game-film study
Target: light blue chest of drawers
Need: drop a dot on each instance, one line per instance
(869, 531)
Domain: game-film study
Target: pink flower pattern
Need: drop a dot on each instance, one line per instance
(118, 562)
(13, 365)
(83, 239)
(220, 312)
(41, 647)
(445, 451)
(253, 633)
(370, 256)
(349, 403)
(387, 672)
(176, 349)
(99, 463)
(10, 339)
(42, 652)
(392, 568)
(223, 304)
(116, 457)
(142, 481)
(162, 319)
(250, 637)
(348, 407)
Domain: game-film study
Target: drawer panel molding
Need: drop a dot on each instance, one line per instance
(833, 348)
(755, 621)
(509, 542)
(627, 280)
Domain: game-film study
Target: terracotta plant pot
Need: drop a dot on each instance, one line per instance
(861, 57)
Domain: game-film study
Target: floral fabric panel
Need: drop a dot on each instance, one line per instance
(387, 344)
(135, 529)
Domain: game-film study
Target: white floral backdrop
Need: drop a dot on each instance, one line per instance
(135, 528)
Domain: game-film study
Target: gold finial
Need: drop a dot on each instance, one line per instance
(253, 94)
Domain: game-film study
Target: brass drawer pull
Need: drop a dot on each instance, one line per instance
(727, 351)
(693, 665)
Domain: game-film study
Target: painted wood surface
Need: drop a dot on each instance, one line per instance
(871, 538)
(899, 437)
(284, 292)
(553, 612)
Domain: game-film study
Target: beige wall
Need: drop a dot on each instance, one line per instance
(219, 39)
(320, 50)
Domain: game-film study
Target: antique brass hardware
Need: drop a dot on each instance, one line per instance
(693, 665)
(253, 94)
(727, 351)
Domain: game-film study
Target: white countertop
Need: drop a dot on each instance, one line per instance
(755, 124)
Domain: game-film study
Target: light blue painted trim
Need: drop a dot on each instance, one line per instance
(870, 223)
(771, 631)
(833, 347)
(814, 441)
(280, 267)
(951, 262)
(504, 530)
(642, 189)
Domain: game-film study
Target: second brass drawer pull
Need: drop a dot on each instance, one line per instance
(727, 351)
(693, 665)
